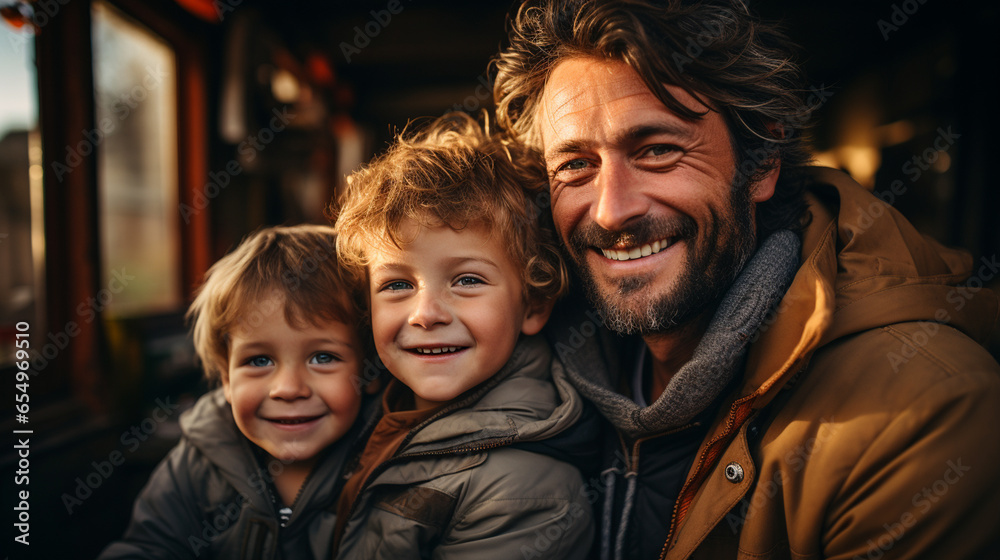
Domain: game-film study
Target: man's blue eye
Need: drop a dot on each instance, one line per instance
(575, 164)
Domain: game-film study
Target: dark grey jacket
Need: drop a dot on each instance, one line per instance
(211, 498)
(460, 488)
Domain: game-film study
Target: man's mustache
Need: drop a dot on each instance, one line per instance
(640, 232)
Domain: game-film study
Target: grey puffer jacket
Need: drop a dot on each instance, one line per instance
(211, 498)
(459, 488)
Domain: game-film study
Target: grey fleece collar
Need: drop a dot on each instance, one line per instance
(717, 360)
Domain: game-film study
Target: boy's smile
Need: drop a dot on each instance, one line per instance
(292, 388)
(447, 309)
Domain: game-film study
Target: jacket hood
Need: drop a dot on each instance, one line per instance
(888, 272)
(209, 426)
(864, 266)
(529, 399)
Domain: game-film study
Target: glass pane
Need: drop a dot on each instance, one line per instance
(136, 144)
(22, 242)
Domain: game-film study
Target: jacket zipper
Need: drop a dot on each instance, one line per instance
(295, 501)
(730, 421)
(632, 459)
(409, 437)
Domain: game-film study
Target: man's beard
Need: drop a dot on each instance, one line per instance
(708, 270)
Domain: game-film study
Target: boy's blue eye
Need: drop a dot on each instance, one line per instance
(324, 358)
(259, 361)
(469, 281)
(397, 285)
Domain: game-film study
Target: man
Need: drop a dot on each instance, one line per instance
(796, 372)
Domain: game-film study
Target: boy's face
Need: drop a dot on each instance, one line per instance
(447, 309)
(293, 390)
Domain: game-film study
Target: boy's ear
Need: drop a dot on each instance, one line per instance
(536, 316)
(226, 389)
(374, 386)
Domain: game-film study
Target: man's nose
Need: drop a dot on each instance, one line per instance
(619, 196)
(290, 383)
(429, 310)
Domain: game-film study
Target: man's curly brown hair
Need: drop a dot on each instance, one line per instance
(715, 50)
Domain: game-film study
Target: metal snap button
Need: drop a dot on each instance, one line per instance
(734, 472)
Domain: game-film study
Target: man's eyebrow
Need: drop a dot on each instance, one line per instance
(641, 131)
(566, 147)
(628, 136)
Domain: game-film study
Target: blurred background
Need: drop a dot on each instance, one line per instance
(140, 140)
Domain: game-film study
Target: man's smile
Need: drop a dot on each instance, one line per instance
(638, 251)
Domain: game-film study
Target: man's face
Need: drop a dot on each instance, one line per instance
(643, 199)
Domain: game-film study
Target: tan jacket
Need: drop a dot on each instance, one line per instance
(881, 443)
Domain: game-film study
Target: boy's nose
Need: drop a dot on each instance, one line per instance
(428, 311)
(290, 383)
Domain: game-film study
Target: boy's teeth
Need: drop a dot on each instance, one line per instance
(439, 350)
(636, 252)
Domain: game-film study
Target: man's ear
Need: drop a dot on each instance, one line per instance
(536, 316)
(763, 189)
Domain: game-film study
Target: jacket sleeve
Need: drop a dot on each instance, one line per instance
(535, 508)
(167, 517)
(925, 485)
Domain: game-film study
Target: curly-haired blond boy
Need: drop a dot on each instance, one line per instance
(461, 275)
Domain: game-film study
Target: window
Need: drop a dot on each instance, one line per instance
(22, 242)
(135, 93)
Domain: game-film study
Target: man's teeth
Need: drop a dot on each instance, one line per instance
(439, 350)
(636, 252)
